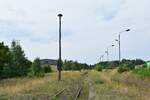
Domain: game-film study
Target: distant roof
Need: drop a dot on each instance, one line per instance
(48, 61)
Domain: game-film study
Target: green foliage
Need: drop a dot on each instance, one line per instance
(124, 62)
(46, 68)
(98, 67)
(5, 61)
(144, 66)
(67, 65)
(127, 65)
(143, 72)
(71, 65)
(113, 65)
(99, 82)
(109, 65)
(36, 69)
(123, 69)
(19, 63)
(13, 61)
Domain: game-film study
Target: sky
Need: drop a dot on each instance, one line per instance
(89, 27)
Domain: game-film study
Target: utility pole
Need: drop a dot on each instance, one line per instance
(59, 60)
(119, 48)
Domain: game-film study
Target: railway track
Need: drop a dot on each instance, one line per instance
(71, 92)
(59, 93)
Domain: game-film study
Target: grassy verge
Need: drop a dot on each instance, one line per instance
(110, 85)
(142, 72)
(36, 88)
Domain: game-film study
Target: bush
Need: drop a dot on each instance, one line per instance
(129, 65)
(144, 65)
(143, 72)
(46, 68)
(98, 67)
(36, 69)
(123, 69)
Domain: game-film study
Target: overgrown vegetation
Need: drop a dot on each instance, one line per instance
(123, 66)
(14, 63)
(74, 65)
(36, 69)
(142, 72)
(98, 67)
(114, 86)
(47, 68)
(5, 62)
(41, 88)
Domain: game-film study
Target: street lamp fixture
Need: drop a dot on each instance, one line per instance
(128, 30)
(101, 58)
(107, 51)
(118, 40)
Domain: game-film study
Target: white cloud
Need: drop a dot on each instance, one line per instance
(89, 26)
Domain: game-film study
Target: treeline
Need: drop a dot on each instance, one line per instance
(124, 65)
(75, 66)
(13, 62)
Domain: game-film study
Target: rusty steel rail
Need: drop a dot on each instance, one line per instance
(78, 93)
(59, 92)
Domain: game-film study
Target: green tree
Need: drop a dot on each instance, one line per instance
(46, 68)
(75, 66)
(5, 58)
(67, 65)
(98, 67)
(20, 64)
(36, 69)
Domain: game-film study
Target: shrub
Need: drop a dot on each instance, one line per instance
(129, 65)
(98, 67)
(46, 68)
(99, 82)
(123, 69)
(144, 65)
(36, 69)
(143, 72)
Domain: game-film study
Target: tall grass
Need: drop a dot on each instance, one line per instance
(116, 86)
(142, 72)
(35, 88)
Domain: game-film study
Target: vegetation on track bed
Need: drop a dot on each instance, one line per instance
(36, 88)
(110, 85)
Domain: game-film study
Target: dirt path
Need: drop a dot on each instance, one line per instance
(92, 90)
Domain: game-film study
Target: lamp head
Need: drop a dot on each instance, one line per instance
(60, 15)
(128, 30)
(116, 39)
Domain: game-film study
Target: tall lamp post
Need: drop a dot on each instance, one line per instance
(59, 60)
(101, 58)
(118, 40)
(107, 52)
